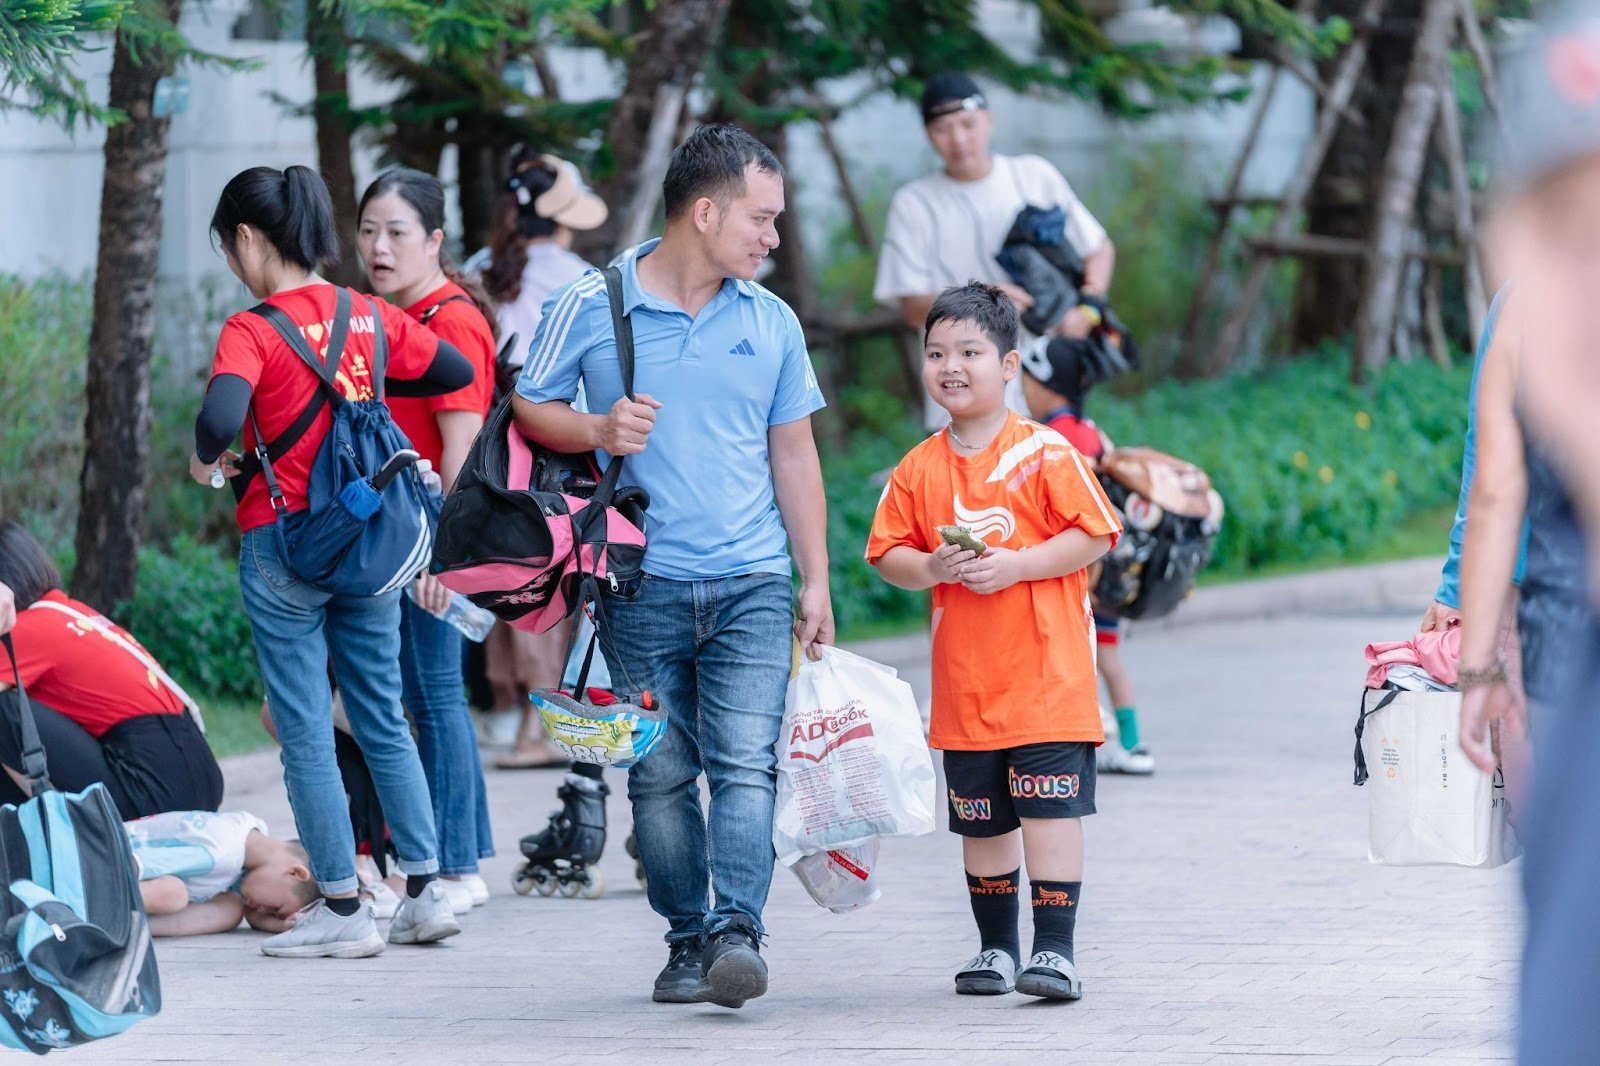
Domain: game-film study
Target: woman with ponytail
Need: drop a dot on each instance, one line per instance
(530, 256)
(275, 228)
(401, 233)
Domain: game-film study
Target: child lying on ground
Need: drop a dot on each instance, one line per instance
(200, 872)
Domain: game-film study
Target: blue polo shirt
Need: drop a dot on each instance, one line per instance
(723, 379)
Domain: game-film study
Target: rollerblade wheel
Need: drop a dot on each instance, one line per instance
(631, 846)
(546, 883)
(571, 888)
(594, 884)
(523, 881)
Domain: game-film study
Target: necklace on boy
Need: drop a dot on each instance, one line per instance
(970, 447)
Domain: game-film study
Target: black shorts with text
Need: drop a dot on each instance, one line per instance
(989, 791)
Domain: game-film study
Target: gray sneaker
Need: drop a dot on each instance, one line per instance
(424, 918)
(988, 973)
(1050, 976)
(319, 933)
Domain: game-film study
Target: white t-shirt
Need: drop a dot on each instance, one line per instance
(550, 266)
(203, 849)
(942, 232)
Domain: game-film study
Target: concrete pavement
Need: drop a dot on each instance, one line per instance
(1229, 916)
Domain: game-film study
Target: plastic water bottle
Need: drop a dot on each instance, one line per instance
(473, 621)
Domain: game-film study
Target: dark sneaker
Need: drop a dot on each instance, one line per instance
(733, 970)
(679, 982)
(1050, 976)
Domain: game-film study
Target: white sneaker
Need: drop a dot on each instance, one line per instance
(319, 933)
(498, 729)
(478, 887)
(424, 918)
(381, 899)
(459, 895)
(988, 973)
(1112, 758)
(1050, 976)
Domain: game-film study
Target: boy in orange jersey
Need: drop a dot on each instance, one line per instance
(1014, 690)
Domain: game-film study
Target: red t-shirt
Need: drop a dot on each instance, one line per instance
(1080, 432)
(460, 324)
(282, 385)
(75, 667)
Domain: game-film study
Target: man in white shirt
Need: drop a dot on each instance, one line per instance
(946, 229)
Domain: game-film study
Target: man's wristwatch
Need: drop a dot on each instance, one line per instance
(1493, 674)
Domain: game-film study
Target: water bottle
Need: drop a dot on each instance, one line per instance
(473, 621)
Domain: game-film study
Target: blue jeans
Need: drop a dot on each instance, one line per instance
(717, 654)
(297, 629)
(435, 695)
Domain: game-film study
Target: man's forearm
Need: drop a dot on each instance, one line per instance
(1097, 269)
(914, 310)
(557, 426)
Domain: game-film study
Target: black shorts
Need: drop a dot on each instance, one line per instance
(990, 790)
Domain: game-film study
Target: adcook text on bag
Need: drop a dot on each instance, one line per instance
(852, 762)
(76, 961)
(1428, 804)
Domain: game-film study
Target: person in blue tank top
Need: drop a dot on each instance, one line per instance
(1537, 422)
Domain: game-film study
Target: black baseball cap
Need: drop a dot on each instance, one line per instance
(949, 92)
(1060, 364)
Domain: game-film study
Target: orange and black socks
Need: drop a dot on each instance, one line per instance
(1055, 913)
(994, 905)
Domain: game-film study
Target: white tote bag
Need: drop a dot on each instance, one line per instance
(1429, 804)
(852, 760)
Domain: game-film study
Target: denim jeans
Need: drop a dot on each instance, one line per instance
(435, 696)
(717, 655)
(297, 629)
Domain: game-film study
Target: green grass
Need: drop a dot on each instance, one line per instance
(1421, 534)
(233, 726)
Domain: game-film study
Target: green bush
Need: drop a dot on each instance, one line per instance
(1310, 467)
(188, 613)
(862, 599)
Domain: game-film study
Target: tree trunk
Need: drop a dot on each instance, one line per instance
(330, 59)
(671, 50)
(477, 167)
(1329, 291)
(117, 387)
(1395, 204)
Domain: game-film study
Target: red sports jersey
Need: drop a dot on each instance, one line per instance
(460, 324)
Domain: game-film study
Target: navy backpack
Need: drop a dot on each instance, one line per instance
(371, 522)
(76, 961)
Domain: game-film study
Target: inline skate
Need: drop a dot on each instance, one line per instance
(562, 857)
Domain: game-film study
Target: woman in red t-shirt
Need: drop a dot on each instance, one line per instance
(401, 231)
(106, 712)
(275, 229)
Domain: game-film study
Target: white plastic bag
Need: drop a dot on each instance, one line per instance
(1429, 804)
(852, 761)
(841, 880)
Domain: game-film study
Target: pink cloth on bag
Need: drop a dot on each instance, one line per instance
(1438, 652)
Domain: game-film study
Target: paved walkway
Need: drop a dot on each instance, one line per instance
(1230, 917)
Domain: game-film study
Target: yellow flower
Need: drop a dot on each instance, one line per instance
(1363, 420)
(1302, 460)
(1325, 474)
(1390, 478)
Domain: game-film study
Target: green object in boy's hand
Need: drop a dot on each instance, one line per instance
(962, 537)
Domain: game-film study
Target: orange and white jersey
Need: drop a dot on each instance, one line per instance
(1015, 667)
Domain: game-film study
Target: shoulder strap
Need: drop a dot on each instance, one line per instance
(34, 767)
(427, 316)
(132, 649)
(325, 369)
(380, 345)
(621, 327)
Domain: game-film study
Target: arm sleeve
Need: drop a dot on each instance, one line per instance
(905, 260)
(1449, 592)
(555, 358)
(895, 523)
(798, 394)
(221, 416)
(1073, 498)
(448, 371)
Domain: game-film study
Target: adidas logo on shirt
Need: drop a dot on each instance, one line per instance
(744, 347)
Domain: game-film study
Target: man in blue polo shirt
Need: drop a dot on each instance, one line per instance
(719, 434)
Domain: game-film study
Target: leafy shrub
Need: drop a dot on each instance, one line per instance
(188, 613)
(860, 596)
